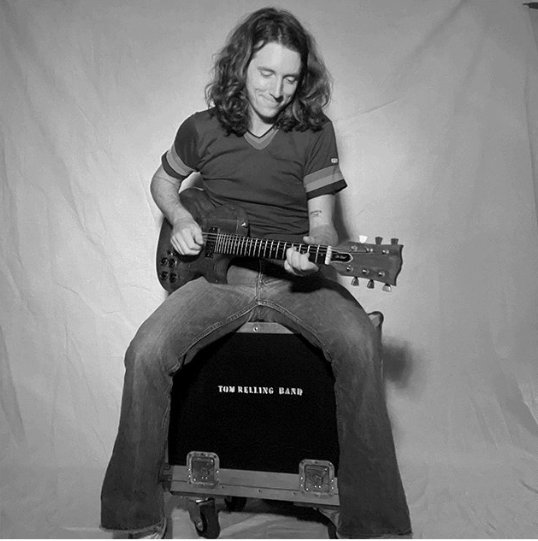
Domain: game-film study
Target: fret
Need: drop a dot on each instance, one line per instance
(276, 250)
(283, 248)
(237, 245)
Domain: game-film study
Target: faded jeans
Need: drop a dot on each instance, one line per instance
(372, 499)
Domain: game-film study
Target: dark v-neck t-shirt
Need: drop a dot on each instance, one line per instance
(271, 177)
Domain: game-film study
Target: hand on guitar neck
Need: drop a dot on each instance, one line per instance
(299, 262)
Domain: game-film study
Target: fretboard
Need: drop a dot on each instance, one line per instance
(264, 248)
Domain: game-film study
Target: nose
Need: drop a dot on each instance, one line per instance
(277, 90)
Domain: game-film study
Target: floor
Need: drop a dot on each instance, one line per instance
(260, 519)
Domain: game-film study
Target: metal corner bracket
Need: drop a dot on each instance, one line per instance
(203, 468)
(317, 477)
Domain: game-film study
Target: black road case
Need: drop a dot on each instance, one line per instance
(253, 416)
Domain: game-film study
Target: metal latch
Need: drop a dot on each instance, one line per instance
(317, 477)
(203, 468)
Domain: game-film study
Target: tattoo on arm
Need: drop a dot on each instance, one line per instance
(316, 213)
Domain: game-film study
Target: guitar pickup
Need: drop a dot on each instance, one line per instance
(210, 241)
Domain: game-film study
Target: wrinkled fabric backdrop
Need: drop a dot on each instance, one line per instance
(436, 110)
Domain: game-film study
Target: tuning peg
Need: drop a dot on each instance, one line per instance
(363, 238)
(355, 281)
(378, 240)
(370, 284)
(387, 288)
(394, 241)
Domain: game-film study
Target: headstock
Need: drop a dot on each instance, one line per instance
(375, 262)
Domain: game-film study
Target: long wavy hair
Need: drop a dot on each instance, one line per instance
(227, 89)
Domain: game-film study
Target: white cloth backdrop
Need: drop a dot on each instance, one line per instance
(436, 109)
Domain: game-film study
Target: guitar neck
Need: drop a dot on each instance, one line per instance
(264, 248)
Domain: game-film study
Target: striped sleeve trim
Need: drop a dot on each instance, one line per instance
(324, 178)
(330, 189)
(174, 165)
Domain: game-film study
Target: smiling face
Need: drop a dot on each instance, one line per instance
(272, 79)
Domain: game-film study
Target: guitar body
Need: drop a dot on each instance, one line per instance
(175, 270)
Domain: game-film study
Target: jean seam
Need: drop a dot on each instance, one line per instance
(210, 330)
(300, 324)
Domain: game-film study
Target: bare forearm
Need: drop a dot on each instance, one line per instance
(186, 237)
(165, 192)
(321, 231)
(324, 234)
(320, 215)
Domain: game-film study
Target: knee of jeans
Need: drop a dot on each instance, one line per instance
(356, 348)
(144, 353)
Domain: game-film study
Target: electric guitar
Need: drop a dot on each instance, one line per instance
(225, 232)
